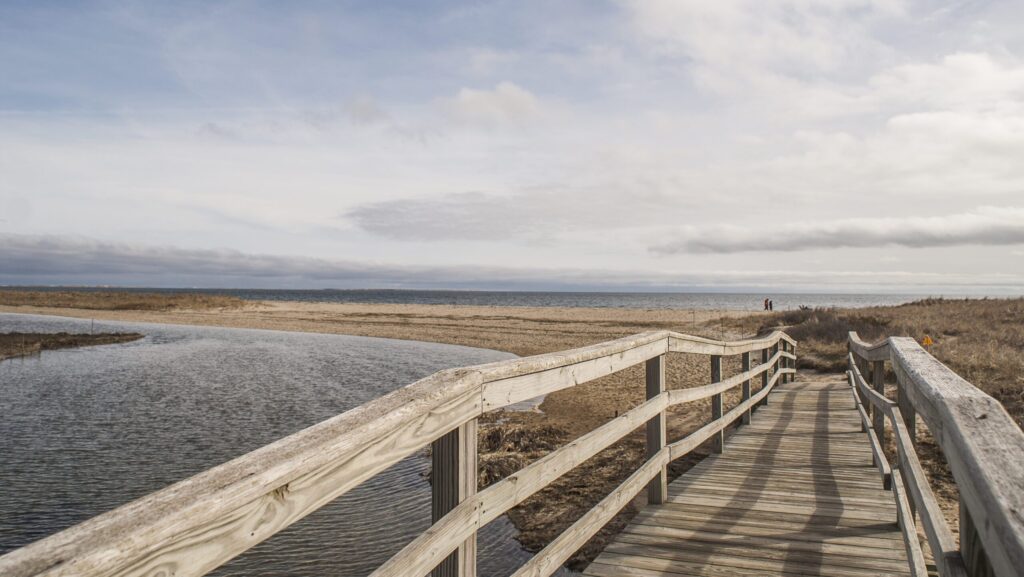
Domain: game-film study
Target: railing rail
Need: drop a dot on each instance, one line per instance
(196, 525)
(982, 444)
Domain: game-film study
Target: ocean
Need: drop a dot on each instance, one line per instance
(640, 300)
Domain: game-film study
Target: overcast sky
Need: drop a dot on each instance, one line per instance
(798, 145)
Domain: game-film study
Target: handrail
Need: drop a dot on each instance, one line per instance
(876, 446)
(910, 474)
(982, 444)
(196, 525)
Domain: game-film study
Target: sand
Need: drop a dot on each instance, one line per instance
(517, 439)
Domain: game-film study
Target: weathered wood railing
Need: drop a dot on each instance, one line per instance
(198, 524)
(980, 441)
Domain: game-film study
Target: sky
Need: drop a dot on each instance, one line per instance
(791, 145)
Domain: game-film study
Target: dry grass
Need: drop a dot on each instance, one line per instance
(982, 340)
(118, 300)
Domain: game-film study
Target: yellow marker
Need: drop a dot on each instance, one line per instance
(927, 341)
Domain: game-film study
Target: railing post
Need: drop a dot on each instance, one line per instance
(971, 550)
(781, 363)
(764, 375)
(657, 489)
(787, 363)
(793, 362)
(453, 477)
(908, 412)
(745, 359)
(718, 441)
(778, 363)
(878, 383)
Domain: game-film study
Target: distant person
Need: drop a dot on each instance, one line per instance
(771, 305)
(766, 301)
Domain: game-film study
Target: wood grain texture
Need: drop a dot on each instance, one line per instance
(549, 559)
(877, 456)
(940, 537)
(425, 551)
(745, 389)
(718, 439)
(655, 383)
(867, 351)
(788, 496)
(982, 445)
(906, 521)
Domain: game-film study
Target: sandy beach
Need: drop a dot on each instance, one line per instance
(521, 437)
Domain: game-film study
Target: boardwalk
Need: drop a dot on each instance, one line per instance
(794, 493)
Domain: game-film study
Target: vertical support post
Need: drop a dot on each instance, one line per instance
(718, 440)
(785, 363)
(781, 346)
(453, 479)
(657, 489)
(778, 363)
(908, 412)
(878, 383)
(971, 550)
(764, 375)
(792, 362)
(745, 359)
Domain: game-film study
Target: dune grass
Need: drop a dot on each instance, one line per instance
(118, 300)
(982, 340)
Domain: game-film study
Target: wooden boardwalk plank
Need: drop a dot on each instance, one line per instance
(793, 494)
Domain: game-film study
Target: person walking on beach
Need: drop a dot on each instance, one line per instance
(766, 301)
(771, 305)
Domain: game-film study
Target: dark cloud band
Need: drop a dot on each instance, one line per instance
(987, 226)
(29, 259)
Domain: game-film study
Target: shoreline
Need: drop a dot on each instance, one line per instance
(514, 438)
(21, 345)
(502, 328)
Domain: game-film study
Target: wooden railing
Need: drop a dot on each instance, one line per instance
(198, 524)
(982, 444)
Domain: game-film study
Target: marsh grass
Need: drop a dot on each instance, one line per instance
(982, 340)
(118, 300)
(23, 344)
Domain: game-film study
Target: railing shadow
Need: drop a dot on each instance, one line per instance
(824, 483)
(687, 552)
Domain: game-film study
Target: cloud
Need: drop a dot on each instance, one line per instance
(536, 213)
(962, 81)
(506, 103)
(33, 259)
(987, 226)
(776, 51)
(470, 216)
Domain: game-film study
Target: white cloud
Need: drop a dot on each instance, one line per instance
(962, 81)
(983, 226)
(507, 102)
(781, 51)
